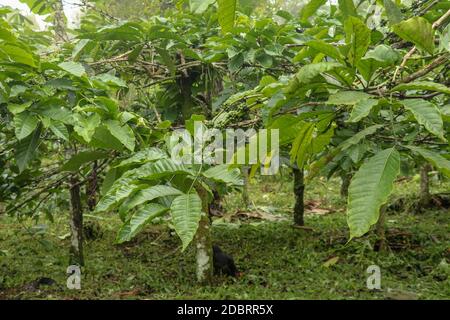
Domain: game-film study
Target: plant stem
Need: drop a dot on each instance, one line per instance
(425, 196)
(76, 224)
(245, 197)
(204, 253)
(380, 244)
(299, 192)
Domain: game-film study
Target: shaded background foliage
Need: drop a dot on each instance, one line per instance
(357, 90)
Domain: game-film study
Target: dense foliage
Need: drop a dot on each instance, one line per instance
(357, 91)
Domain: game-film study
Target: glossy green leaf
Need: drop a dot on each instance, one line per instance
(147, 194)
(384, 54)
(60, 130)
(162, 168)
(74, 68)
(322, 140)
(119, 191)
(86, 127)
(308, 72)
(309, 9)
(227, 14)
(123, 133)
(25, 123)
(426, 114)
(318, 165)
(186, 211)
(423, 86)
(26, 149)
(357, 36)
(418, 31)
(127, 31)
(359, 136)
(223, 173)
(111, 80)
(441, 163)
(362, 109)
(7, 35)
(139, 220)
(40, 7)
(18, 54)
(82, 158)
(53, 110)
(393, 12)
(326, 48)
(347, 8)
(347, 97)
(200, 6)
(18, 108)
(143, 156)
(370, 189)
(79, 47)
(122, 188)
(301, 144)
(444, 39)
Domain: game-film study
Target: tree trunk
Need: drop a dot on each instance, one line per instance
(185, 83)
(204, 254)
(76, 224)
(165, 5)
(299, 192)
(425, 196)
(346, 179)
(245, 197)
(216, 208)
(380, 244)
(91, 188)
(59, 22)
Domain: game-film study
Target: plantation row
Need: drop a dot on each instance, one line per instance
(358, 92)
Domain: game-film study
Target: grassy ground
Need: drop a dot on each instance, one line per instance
(278, 261)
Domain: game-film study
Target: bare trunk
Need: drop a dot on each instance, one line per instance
(425, 196)
(91, 188)
(216, 208)
(245, 197)
(165, 5)
(76, 223)
(346, 179)
(380, 244)
(204, 254)
(299, 192)
(185, 83)
(59, 22)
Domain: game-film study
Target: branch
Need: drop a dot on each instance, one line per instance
(160, 81)
(119, 58)
(93, 8)
(47, 189)
(422, 96)
(434, 64)
(428, 7)
(435, 25)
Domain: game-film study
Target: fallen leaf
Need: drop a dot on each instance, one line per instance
(331, 262)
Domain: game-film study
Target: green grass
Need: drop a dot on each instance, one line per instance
(278, 260)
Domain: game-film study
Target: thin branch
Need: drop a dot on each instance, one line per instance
(119, 58)
(160, 81)
(428, 7)
(434, 64)
(85, 4)
(435, 25)
(37, 194)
